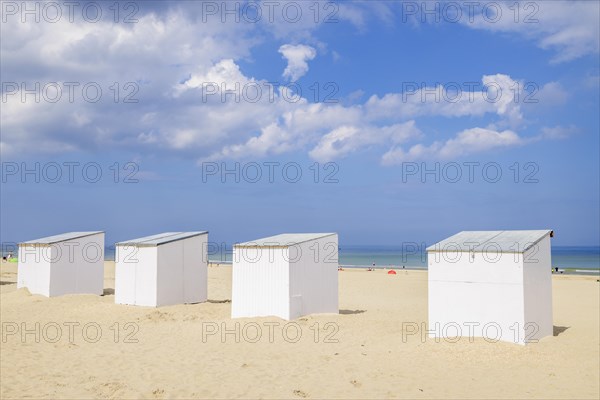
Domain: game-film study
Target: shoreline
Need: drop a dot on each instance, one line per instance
(561, 271)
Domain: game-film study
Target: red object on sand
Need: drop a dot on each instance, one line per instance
(392, 272)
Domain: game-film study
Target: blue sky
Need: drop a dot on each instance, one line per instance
(370, 97)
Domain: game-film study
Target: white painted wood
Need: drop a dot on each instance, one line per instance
(287, 276)
(164, 269)
(488, 289)
(70, 263)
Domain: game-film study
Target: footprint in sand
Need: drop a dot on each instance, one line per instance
(157, 316)
(108, 389)
(300, 393)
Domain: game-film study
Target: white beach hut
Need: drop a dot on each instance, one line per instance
(491, 284)
(164, 269)
(69, 263)
(287, 276)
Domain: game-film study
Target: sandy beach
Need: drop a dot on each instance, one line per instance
(79, 347)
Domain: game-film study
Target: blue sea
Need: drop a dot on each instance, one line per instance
(563, 257)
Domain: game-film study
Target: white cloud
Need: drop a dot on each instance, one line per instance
(349, 12)
(214, 128)
(289, 127)
(551, 94)
(225, 74)
(172, 58)
(345, 139)
(498, 94)
(469, 141)
(297, 57)
(360, 14)
(477, 140)
(272, 140)
(150, 54)
(569, 28)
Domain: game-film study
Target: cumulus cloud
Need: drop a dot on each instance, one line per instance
(272, 140)
(193, 98)
(297, 57)
(477, 140)
(146, 56)
(469, 141)
(345, 139)
(223, 74)
(290, 127)
(498, 94)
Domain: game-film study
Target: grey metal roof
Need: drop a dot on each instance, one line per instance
(284, 240)
(161, 238)
(63, 237)
(491, 241)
